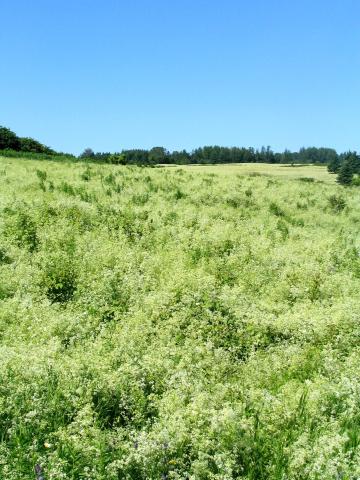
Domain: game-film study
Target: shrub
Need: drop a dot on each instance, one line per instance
(356, 180)
(179, 194)
(337, 203)
(84, 195)
(283, 228)
(20, 226)
(42, 175)
(234, 202)
(86, 174)
(66, 188)
(307, 179)
(110, 179)
(4, 257)
(140, 198)
(276, 210)
(58, 278)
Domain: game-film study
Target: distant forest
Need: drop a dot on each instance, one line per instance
(12, 145)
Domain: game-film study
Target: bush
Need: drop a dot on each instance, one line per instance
(283, 228)
(58, 278)
(4, 257)
(276, 210)
(356, 181)
(337, 203)
(86, 174)
(179, 194)
(66, 188)
(307, 179)
(20, 226)
(234, 202)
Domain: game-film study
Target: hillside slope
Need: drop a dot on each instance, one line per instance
(168, 324)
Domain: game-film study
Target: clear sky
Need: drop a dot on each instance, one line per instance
(116, 74)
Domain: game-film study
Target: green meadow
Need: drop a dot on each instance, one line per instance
(319, 173)
(195, 322)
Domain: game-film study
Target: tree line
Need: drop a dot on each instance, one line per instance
(345, 165)
(213, 154)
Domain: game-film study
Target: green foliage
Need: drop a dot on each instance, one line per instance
(88, 153)
(33, 146)
(8, 139)
(356, 181)
(21, 227)
(276, 210)
(334, 165)
(337, 203)
(67, 188)
(110, 179)
(58, 277)
(17, 147)
(86, 174)
(350, 166)
(185, 325)
(307, 179)
(4, 257)
(42, 175)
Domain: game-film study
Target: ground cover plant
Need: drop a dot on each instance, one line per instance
(178, 323)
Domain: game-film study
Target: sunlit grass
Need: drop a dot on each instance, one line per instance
(178, 323)
(289, 171)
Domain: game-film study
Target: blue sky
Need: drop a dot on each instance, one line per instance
(181, 73)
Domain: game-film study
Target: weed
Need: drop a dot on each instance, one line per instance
(337, 203)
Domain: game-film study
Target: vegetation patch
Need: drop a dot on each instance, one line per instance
(178, 323)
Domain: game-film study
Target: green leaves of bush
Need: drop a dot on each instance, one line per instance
(58, 277)
(21, 228)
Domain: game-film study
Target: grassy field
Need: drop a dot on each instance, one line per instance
(318, 173)
(178, 323)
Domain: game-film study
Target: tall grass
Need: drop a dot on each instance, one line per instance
(182, 326)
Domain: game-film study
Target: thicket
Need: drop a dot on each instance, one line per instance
(157, 324)
(10, 141)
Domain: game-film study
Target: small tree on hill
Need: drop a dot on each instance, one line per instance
(345, 174)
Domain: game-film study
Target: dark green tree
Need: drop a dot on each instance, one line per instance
(158, 155)
(353, 159)
(345, 174)
(334, 165)
(87, 153)
(31, 145)
(8, 139)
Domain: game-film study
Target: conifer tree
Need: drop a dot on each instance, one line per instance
(345, 174)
